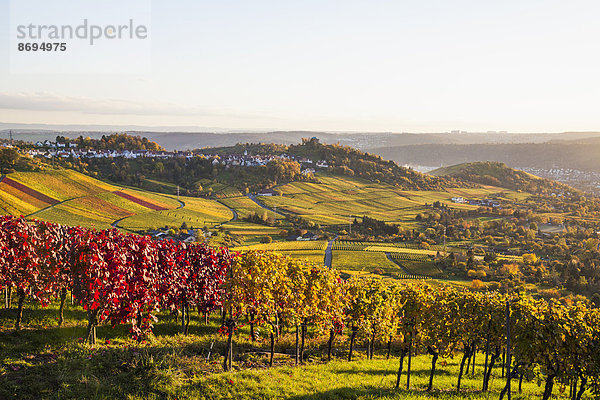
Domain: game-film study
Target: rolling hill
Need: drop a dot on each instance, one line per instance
(334, 200)
(498, 174)
(340, 160)
(331, 199)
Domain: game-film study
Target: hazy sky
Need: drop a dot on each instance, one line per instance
(418, 66)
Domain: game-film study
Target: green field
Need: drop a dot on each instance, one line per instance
(252, 232)
(407, 258)
(352, 257)
(362, 261)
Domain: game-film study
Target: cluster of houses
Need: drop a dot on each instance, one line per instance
(50, 149)
(585, 180)
(185, 236)
(267, 192)
(475, 202)
(55, 145)
(192, 235)
(263, 159)
(246, 160)
(564, 175)
(306, 237)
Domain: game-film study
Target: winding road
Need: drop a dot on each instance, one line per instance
(181, 204)
(254, 199)
(116, 223)
(235, 214)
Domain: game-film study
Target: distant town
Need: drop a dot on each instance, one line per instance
(50, 149)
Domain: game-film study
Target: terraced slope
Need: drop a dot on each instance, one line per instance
(71, 198)
(195, 212)
(337, 199)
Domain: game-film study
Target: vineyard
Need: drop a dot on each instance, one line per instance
(410, 257)
(415, 246)
(245, 207)
(70, 198)
(130, 281)
(416, 266)
(349, 246)
(368, 262)
(195, 213)
(401, 247)
(335, 199)
(288, 246)
(400, 260)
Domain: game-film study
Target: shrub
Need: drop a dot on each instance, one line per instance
(266, 239)
(477, 284)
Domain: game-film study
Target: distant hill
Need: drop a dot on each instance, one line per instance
(230, 166)
(235, 166)
(345, 160)
(581, 154)
(498, 174)
(190, 137)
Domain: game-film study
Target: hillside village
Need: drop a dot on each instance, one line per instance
(586, 180)
(49, 149)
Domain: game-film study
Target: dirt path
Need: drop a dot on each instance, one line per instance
(404, 271)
